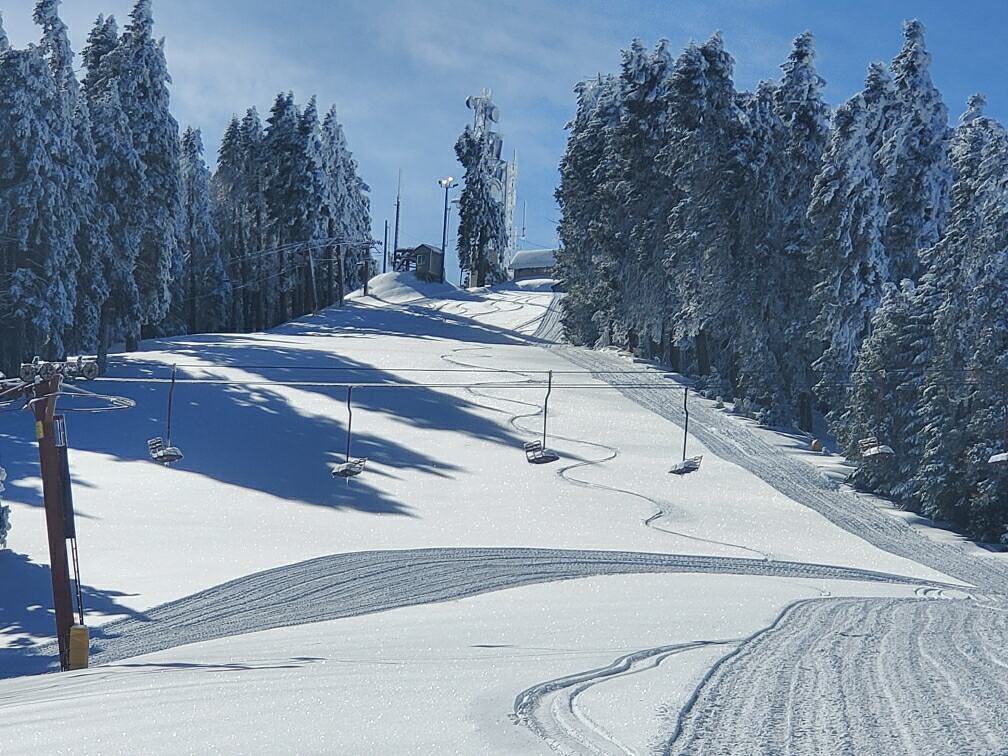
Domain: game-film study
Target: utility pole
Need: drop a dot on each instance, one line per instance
(44, 408)
(395, 238)
(384, 264)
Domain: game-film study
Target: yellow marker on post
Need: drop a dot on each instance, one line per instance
(79, 647)
(39, 430)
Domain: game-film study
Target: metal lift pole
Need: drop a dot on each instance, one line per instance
(52, 494)
(349, 426)
(685, 396)
(171, 394)
(549, 388)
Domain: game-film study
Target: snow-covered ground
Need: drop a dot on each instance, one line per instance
(520, 649)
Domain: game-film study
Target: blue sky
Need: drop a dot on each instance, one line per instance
(399, 70)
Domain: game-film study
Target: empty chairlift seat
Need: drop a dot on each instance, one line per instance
(687, 465)
(538, 454)
(349, 469)
(870, 448)
(163, 455)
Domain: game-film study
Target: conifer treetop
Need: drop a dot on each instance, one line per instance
(974, 108)
(141, 25)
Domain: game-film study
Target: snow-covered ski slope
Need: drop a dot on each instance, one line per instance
(456, 599)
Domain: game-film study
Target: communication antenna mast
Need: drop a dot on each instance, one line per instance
(395, 238)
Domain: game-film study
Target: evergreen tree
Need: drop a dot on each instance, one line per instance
(337, 189)
(38, 257)
(847, 221)
(962, 401)
(805, 132)
(285, 191)
(92, 241)
(255, 213)
(227, 207)
(482, 232)
(642, 192)
(120, 188)
(914, 159)
(208, 291)
(904, 345)
(139, 64)
(583, 249)
(705, 156)
(309, 295)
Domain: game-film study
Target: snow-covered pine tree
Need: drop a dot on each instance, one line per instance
(288, 193)
(336, 201)
(91, 240)
(805, 116)
(139, 64)
(256, 215)
(963, 394)
(847, 221)
(225, 188)
(359, 227)
(38, 258)
(120, 185)
(579, 195)
(206, 293)
(903, 339)
(643, 193)
(916, 175)
(482, 233)
(704, 159)
(307, 288)
(758, 269)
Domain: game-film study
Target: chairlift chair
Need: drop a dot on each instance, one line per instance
(163, 455)
(870, 448)
(350, 468)
(160, 452)
(537, 454)
(535, 451)
(687, 465)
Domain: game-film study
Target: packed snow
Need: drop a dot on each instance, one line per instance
(459, 599)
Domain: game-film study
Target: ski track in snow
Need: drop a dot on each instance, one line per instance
(858, 675)
(347, 585)
(611, 452)
(832, 675)
(732, 441)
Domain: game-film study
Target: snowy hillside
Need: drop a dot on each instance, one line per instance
(453, 597)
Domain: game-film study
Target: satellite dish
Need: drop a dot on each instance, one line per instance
(493, 113)
(469, 103)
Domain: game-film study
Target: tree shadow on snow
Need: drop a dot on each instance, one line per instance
(253, 437)
(24, 583)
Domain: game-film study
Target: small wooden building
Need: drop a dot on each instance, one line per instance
(425, 260)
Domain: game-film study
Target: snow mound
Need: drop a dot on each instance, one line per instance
(402, 287)
(528, 284)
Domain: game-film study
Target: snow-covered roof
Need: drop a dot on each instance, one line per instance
(533, 258)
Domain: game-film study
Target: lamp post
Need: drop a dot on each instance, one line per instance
(447, 183)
